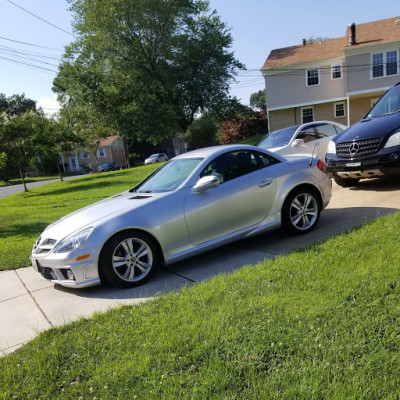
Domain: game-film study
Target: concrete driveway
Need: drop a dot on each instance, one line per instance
(29, 304)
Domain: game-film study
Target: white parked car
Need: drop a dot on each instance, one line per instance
(309, 138)
(156, 158)
(195, 202)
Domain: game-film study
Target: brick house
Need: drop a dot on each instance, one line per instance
(335, 79)
(110, 149)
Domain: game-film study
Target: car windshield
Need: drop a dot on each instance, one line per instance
(388, 104)
(169, 176)
(278, 138)
(154, 156)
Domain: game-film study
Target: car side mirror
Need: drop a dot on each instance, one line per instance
(206, 182)
(297, 142)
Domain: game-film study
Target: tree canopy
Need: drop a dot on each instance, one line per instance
(145, 68)
(258, 100)
(26, 136)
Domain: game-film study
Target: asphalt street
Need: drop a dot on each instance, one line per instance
(9, 190)
(29, 305)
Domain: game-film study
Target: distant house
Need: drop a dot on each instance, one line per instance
(335, 79)
(111, 149)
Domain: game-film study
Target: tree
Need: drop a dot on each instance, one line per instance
(17, 140)
(3, 159)
(55, 139)
(202, 132)
(147, 67)
(315, 39)
(243, 126)
(16, 104)
(258, 100)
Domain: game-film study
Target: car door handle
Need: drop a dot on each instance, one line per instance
(265, 182)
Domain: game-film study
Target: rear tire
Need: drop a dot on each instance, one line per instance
(345, 182)
(301, 210)
(128, 259)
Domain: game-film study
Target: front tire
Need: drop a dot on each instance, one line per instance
(128, 259)
(301, 211)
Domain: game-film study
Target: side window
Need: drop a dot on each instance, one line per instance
(325, 130)
(307, 135)
(265, 160)
(232, 165)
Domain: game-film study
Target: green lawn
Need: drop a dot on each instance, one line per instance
(23, 216)
(322, 323)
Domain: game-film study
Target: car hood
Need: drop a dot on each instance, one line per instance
(370, 128)
(99, 212)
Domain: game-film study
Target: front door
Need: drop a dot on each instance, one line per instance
(243, 198)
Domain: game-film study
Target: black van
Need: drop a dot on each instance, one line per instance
(371, 147)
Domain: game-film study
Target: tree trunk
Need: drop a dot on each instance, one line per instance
(22, 177)
(127, 163)
(59, 170)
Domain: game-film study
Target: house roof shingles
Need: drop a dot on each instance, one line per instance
(108, 141)
(367, 34)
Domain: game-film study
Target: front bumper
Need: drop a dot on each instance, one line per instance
(377, 165)
(69, 274)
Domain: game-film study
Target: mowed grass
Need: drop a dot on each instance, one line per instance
(322, 323)
(23, 216)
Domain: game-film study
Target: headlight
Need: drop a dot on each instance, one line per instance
(331, 147)
(394, 140)
(74, 241)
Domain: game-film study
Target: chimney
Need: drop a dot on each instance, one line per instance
(352, 40)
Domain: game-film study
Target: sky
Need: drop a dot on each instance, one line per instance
(33, 34)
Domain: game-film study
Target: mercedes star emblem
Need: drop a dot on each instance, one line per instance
(353, 148)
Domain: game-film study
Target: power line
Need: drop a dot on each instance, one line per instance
(32, 66)
(42, 19)
(29, 44)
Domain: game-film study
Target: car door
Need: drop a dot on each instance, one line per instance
(243, 198)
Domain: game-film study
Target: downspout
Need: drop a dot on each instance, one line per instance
(348, 111)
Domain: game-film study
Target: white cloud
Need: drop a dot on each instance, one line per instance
(50, 105)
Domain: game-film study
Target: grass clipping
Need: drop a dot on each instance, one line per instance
(322, 323)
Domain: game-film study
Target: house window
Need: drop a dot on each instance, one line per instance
(101, 152)
(85, 155)
(312, 77)
(336, 71)
(384, 64)
(307, 115)
(340, 110)
(391, 63)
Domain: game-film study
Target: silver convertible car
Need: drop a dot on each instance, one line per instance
(195, 202)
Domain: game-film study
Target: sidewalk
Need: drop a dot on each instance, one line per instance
(30, 305)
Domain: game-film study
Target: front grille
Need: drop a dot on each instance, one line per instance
(358, 148)
(44, 246)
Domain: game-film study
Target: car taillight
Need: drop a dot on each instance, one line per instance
(321, 166)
